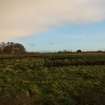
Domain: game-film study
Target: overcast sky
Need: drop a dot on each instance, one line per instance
(53, 24)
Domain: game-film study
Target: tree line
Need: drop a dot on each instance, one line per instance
(11, 48)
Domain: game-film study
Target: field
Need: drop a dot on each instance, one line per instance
(53, 79)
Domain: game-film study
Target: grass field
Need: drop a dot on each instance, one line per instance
(44, 81)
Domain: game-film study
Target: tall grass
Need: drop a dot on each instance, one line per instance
(31, 82)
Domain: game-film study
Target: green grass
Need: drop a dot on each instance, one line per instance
(30, 82)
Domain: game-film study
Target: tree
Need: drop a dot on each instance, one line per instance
(79, 51)
(12, 48)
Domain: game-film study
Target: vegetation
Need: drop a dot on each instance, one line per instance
(11, 48)
(79, 51)
(28, 81)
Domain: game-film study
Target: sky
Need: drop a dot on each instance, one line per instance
(54, 25)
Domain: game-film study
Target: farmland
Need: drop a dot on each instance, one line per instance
(52, 79)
